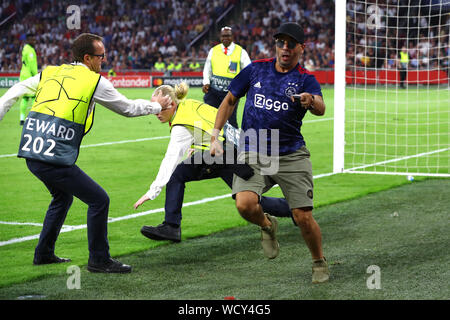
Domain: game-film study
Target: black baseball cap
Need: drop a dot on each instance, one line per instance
(293, 30)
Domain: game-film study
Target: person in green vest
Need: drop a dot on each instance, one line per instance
(175, 65)
(191, 123)
(194, 65)
(223, 63)
(403, 65)
(170, 66)
(178, 65)
(29, 69)
(112, 72)
(62, 114)
(160, 66)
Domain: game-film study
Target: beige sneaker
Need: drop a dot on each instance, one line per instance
(269, 241)
(320, 271)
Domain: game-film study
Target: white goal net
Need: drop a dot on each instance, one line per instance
(392, 98)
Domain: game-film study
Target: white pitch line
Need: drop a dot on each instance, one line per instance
(110, 220)
(8, 155)
(34, 224)
(130, 216)
(142, 139)
(21, 223)
(101, 144)
(399, 159)
(140, 214)
(123, 141)
(205, 200)
(134, 215)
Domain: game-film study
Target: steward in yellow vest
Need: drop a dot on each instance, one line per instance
(60, 116)
(178, 66)
(112, 72)
(403, 67)
(224, 67)
(404, 59)
(170, 66)
(223, 63)
(194, 66)
(160, 65)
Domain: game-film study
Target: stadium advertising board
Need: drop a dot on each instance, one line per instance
(7, 82)
(191, 81)
(147, 80)
(137, 81)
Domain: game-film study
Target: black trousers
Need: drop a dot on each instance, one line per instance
(195, 172)
(64, 183)
(402, 75)
(214, 98)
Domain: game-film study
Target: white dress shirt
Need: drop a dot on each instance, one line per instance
(181, 139)
(105, 94)
(207, 69)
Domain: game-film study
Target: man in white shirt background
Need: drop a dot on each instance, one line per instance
(223, 63)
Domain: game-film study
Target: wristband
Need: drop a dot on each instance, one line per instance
(215, 133)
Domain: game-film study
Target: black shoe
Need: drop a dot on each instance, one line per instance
(22, 122)
(49, 260)
(110, 266)
(162, 232)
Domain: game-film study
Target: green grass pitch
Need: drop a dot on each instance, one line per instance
(220, 253)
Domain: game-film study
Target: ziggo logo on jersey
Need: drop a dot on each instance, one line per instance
(260, 101)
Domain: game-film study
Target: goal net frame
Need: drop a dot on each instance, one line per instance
(387, 163)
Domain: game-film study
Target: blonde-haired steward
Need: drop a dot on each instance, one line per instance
(176, 94)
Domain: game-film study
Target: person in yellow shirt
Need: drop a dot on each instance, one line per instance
(403, 63)
(160, 65)
(178, 65)
(194, 65)
(170, 66)
(112, 72)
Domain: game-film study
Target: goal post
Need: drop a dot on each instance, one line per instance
(339, 86)
(391, 94)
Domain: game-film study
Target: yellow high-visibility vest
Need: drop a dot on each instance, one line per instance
(65, 92)
(60, 115)
(194, 66)
(195, 114)
(224, 67)
(160, 66)
(404, 57)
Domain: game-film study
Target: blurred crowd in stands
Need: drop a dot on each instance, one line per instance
(257, 25)
(135, 32)
(143, 34)
(421, 26)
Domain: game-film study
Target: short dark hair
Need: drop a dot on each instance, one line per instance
(84, 44)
